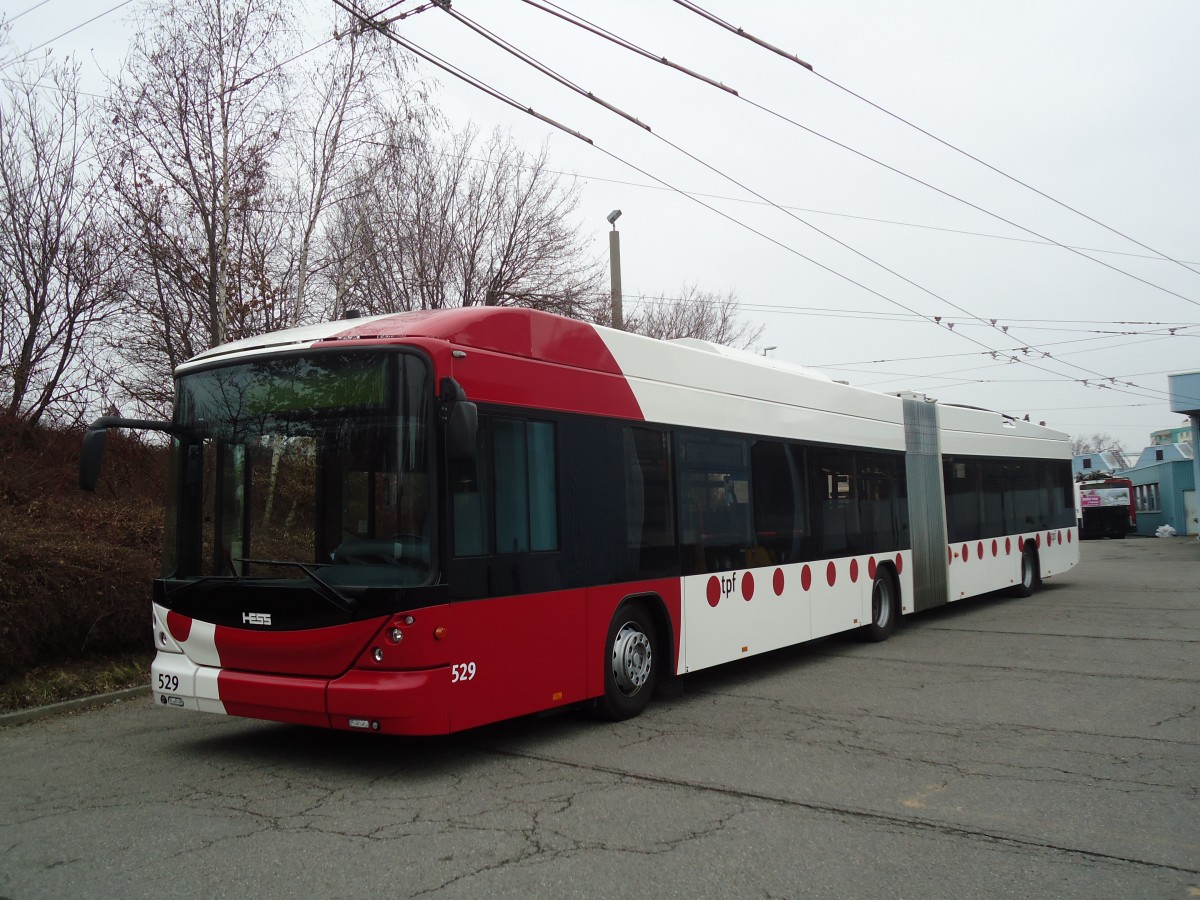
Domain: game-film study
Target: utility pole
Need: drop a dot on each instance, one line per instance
(614, 269)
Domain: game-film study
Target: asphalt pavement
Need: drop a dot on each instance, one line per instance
(1046, 747)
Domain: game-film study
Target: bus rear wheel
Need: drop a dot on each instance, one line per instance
(631, 664)
(884, 608)
(1029, 575)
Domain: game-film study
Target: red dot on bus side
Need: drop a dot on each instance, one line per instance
(777, 582)
(854, 570)
(949, 556)
(1008, 546)
(995, 548)
(1020, 543)
(966, 552)
(1068, 536)
(1038, 540)
(806, 578)
(871, 567)
(979, 550)
(831, 573)
(747, 586)
(714, 591)
(899, 563)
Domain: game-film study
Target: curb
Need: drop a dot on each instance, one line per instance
(21, 716)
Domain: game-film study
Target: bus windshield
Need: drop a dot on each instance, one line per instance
(303, 465)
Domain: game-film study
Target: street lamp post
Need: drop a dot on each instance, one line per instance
(614, 269)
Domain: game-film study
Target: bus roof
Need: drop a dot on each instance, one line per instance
(678, 381)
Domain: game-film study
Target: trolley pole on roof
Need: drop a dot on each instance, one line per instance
(614, 269)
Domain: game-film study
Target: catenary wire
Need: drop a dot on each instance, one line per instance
(526, 58)
(696, 8)
(6, 64)
(490, 91)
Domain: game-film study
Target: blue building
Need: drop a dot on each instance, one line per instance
(1089, 464)
(1166, 474)
(1164, 489)
(1180, 434)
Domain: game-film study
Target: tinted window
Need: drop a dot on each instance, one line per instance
(714, 502)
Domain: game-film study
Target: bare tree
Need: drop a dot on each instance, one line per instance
(340, 111)
(57, 261)
(196, 116)
(1096, 443)
(459, 222)
(524, 249)
(1100, 442)
(694, 313)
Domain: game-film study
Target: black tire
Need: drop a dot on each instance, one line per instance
(1030, 576)
(631, 663)
(885, 608)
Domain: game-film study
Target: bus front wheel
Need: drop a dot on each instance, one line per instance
(630, 664)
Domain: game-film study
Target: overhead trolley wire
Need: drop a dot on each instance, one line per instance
(451, 69)
(24, 56)
(875, 219)
(694, 7)
(478, 84)
(580, 22)
(529, 60)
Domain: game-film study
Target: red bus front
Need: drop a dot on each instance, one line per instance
(301, 578)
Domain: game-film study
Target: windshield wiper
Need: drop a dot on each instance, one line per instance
(188, 586)
(324, 588)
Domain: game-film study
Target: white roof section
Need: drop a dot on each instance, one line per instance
(696, 384)
(767, 361)
(275, 341)
(970, 431)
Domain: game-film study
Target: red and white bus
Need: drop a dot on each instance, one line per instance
(424, 522)
(1106, 508)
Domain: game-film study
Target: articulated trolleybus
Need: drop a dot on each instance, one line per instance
(424, 522)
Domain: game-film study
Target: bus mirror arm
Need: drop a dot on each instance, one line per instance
(92, 457)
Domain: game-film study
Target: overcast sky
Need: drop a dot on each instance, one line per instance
(1095, 103)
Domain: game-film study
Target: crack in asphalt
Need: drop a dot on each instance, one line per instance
(1032, 670)
(902, 822)
(924, 726)
(1062, 634)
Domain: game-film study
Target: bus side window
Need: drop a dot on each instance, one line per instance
(835, 501)
(715, 527)
(779, 505)
(881, 500)
(506, 499)
(649, 516)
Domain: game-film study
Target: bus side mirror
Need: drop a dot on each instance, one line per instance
(97, 434)
(461, 418)
(462, 429)
(92, 457)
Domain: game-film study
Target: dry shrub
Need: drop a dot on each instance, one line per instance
(75, 568)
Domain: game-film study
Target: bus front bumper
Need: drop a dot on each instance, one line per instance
(388, 702)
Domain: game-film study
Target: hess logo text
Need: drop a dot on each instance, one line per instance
(253, 618)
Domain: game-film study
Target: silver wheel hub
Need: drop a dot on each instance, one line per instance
(631, 659)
